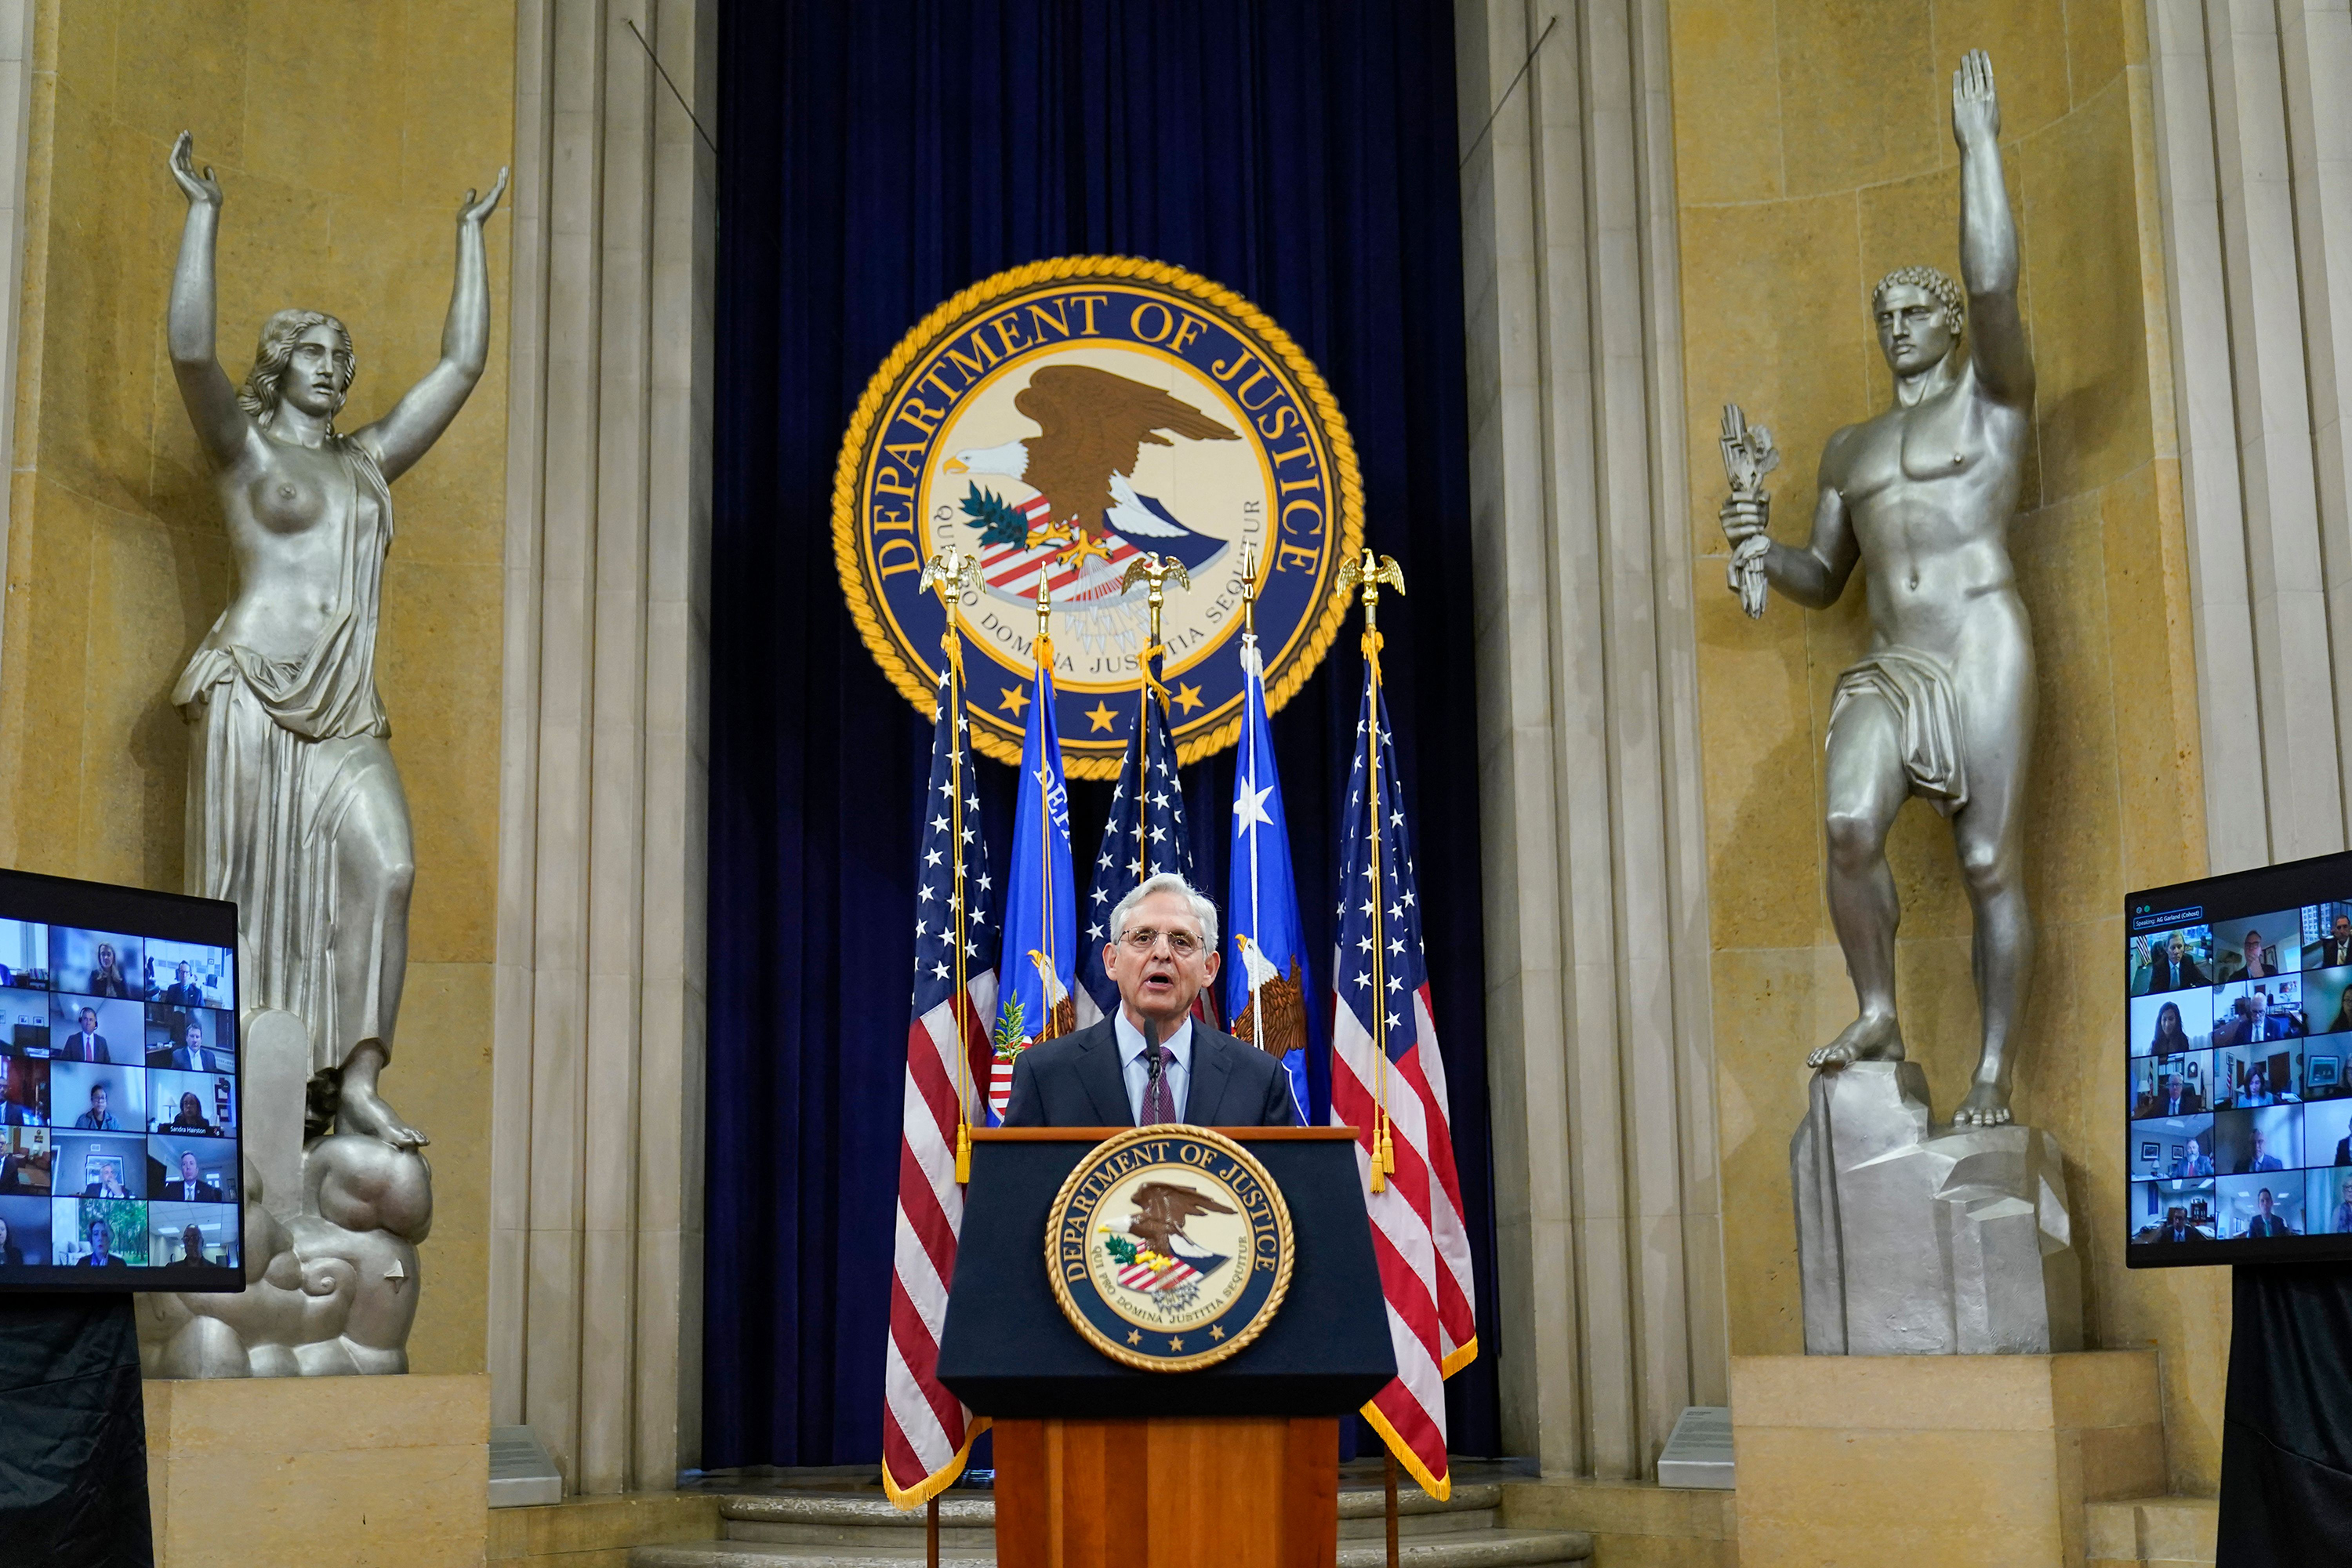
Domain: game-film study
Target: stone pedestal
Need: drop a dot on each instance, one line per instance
(1938, 1462)
(1914, 1242)
(379, 1472)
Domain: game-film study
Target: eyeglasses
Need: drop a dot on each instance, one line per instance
(1143, 939)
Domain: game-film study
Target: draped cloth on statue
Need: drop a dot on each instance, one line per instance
(287, 747)
(1918, 688)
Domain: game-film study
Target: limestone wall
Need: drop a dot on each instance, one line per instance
(1814, 154)
(344, 136)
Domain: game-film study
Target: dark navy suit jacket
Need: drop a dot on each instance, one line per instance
(1074, 1083)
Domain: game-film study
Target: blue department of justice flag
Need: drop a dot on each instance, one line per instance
(1144, 836)
(1265, 982)
(1040, 923)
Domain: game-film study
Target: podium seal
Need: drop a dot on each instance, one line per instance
(1061, 421)
(1169, 1247)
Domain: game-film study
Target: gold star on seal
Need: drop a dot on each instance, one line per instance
(1099, 715)
(1187, 698)
(1175, 1342)
(1135, 1336)
(1216, 1330)
(1015, 699)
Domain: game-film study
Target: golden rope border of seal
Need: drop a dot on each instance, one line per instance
(920, 689)
(1104, 1343)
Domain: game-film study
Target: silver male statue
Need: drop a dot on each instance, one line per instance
(295, 809)
(1921, 496)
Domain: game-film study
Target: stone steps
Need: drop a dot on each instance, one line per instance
(808, 1528)
(2151, 1532)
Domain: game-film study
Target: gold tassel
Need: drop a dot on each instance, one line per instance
(963, 1153)
(1387, 1149)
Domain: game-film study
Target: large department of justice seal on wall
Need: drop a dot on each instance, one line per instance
(1062, 419)
(1169, 1247)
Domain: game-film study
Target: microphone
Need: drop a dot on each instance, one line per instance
(1151, 1051)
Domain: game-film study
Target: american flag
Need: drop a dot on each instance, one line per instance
(1144, 836)
(926, 1430)
(1381, 993)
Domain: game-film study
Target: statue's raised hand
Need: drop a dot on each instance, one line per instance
(1976, 111)
(474, 212)
(194, 187)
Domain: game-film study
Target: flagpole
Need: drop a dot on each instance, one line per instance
(1154, 570)
(1371, 573)
(949, 574)
(1047, 1027)
(1254, 684)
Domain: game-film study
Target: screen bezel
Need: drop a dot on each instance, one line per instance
(2264, 889)
(36, 897)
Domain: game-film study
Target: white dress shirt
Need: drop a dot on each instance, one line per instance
(1175, 1065)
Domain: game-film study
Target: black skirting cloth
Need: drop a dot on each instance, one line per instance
(2286, 1434)
(73, 1433)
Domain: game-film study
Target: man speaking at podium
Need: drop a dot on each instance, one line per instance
(1151, 1061)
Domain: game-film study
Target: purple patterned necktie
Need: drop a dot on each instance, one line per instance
(1156, 1108)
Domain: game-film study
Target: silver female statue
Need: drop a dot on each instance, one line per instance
(1921, 498)
(295, 809)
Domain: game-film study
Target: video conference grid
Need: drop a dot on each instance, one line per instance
(2239, 1102)
(118, 1100)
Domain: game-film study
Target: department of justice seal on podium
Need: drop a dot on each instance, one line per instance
(1169, 1247)
(1059, 421)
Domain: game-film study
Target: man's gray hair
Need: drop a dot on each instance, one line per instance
(1167, 882)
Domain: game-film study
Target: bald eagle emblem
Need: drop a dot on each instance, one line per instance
(1081, 521)
(1153, 1254)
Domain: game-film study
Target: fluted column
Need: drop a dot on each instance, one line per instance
(2254, 165)
(597, 1167)
(1609, 1242)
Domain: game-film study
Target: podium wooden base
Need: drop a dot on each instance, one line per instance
(1169, 1492)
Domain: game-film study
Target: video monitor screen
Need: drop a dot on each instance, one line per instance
(121, 1153)
(2238, 1068)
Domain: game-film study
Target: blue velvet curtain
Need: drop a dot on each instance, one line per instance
(875, 157)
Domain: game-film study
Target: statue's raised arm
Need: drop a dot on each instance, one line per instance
(1988, 265)
(416, 421)
(205, 387)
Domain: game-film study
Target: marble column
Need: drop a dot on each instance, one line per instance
(597, 1196)
(1609, 1243)
(2254, 165)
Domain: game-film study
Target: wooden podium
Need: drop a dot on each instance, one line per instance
(1103, 1466)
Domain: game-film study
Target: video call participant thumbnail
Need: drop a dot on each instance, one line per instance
(2266, 1222)
(188, 1045)
(190, 1236)
(190, 1171)
(2259, 947)
(92, 1098)
(24, 1231)
(2167, 962)
(24, 1092)
(102, 1167)
(101, 1253)
(2334, 949)
(2172, 1096)
(83, 1042)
